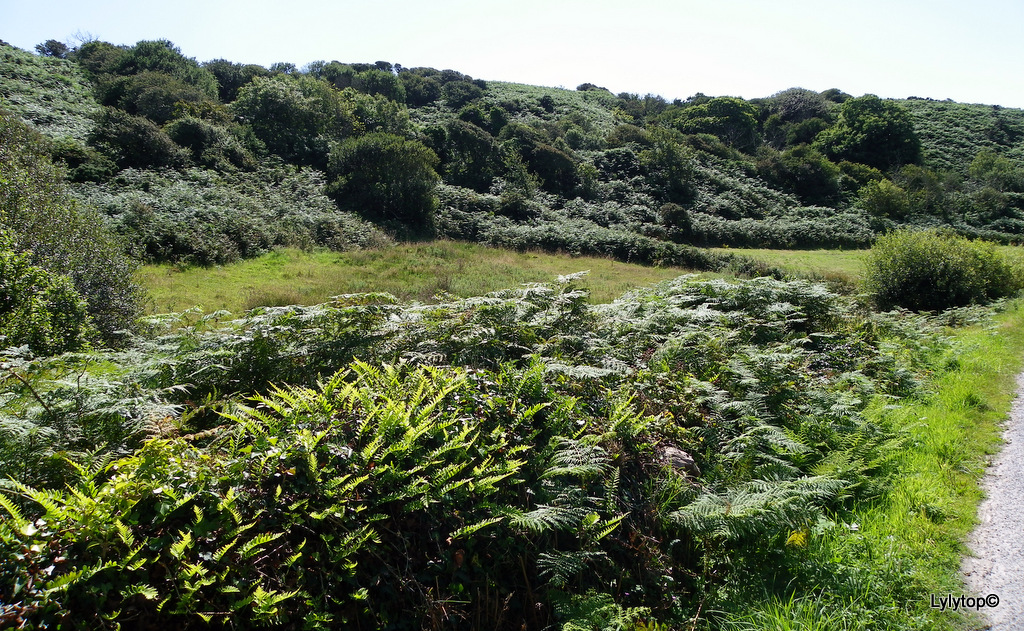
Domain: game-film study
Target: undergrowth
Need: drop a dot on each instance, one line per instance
(700, 454)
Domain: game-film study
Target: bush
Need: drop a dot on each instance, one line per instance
(38, 308)
(387, 179)
(61, 236)
(929, 270)
(135, 142)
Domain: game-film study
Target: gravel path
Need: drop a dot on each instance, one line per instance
(997, 564)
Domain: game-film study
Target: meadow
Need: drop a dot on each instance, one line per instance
(418, 271)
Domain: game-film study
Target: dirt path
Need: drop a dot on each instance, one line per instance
(997, 564)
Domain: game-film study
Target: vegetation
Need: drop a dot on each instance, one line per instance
(59, 236)
(417, 271)
(703, 453)
(934, 271)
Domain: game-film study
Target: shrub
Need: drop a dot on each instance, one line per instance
(387, 179)
(135, 142)
(930, 270)
(61, 236)
(38, 308)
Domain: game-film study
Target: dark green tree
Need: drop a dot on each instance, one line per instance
(232, 76)
(420, 90)
(163, 56)
(668, 166)
(53, 48)
(460, 93)
(387, 179)
(472, 156)
(731, 119)
(151, 94)
(380, 82)
(871, 131)
(135, 142)
(803, 171)
(296, 117)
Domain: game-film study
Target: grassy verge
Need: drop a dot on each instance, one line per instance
(880, 567)
(410, 271)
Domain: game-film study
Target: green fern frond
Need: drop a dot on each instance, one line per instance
(576, 458)
(561, 567)
(251, 547)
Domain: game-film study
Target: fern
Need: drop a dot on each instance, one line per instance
(575, 458)
(560, 567)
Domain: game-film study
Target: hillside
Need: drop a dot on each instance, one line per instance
(214, 161)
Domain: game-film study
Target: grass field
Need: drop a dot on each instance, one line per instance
(835, 264)
(416, 271)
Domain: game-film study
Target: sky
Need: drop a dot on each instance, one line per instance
(969, 52)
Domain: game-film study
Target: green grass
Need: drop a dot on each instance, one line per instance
(410, 271)
(880, 569)
(845, 265)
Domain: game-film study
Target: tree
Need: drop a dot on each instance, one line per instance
(296, 117)
(53, 48)
(38, 308)
(231, 76)
(882, 198)
(997, 171)
(471, 156)
(797, 104)
(419, 90)
(731, 119)
(387, 179)
(669, 167)
(380, 82)
(163, 56)
(151, 94)
(135, 142)
(873, 132)
(459, 93)
(802, 170)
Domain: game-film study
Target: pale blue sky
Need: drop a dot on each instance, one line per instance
(967, 51)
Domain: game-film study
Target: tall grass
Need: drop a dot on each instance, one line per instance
(417, 271)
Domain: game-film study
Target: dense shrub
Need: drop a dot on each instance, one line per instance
(930, 270)
(60, 235)
(38, 308)
(204, 217)
(135, 142)
(388, 180)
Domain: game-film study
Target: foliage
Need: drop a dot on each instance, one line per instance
(387, 179)
(60, 236)
(202, 217)
(295, 117)
(38, 308)
(873, 132)
(731, 119)
(135, 142)
(51, 93)
(232, 76)
(211, 145)
(928, 270)
(545, 456)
